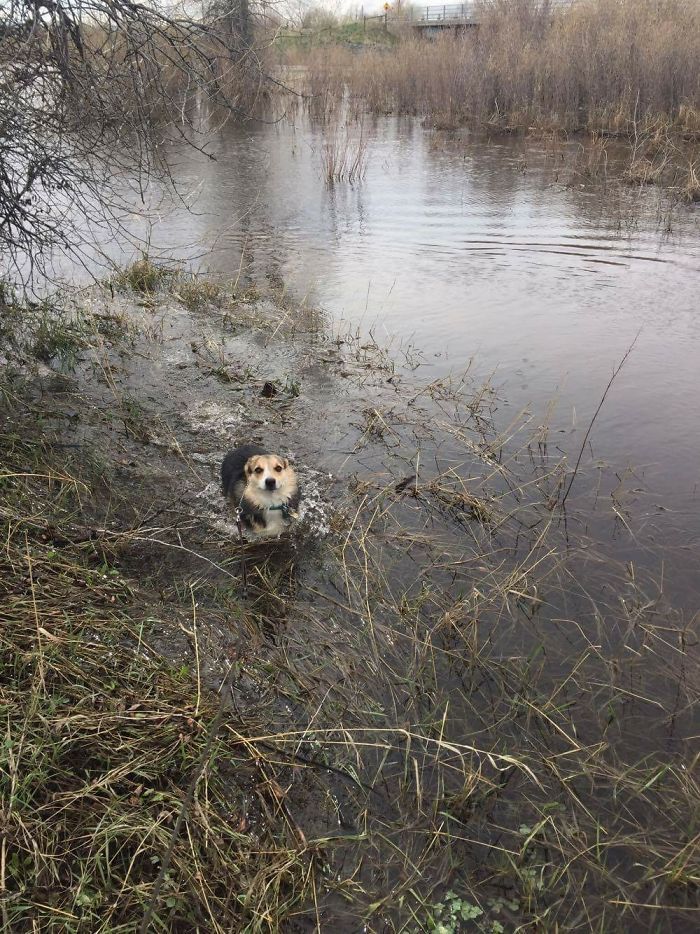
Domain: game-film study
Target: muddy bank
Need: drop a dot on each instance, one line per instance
(434, 704)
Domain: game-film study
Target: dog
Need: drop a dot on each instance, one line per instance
(263, 487)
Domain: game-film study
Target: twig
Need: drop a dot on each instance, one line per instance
(241, 542)
(595, 414)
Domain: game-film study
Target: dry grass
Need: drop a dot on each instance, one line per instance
(196, 292)
(690, 185)
(610, 67)
(103, 737)
(343, 155)
(143, 275)
(456, 714)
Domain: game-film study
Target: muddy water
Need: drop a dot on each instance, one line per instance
(488, 255)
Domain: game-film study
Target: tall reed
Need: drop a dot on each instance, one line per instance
(611, 66)
(343, 157)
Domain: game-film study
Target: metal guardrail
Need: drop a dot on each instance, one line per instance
(447, 13)
(456, 13)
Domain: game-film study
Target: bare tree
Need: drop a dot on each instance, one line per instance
(85, 89)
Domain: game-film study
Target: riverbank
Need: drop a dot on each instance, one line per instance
(428, 708)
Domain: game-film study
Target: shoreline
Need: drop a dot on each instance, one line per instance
(425, 713)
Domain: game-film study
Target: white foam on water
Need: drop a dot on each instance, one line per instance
(314, 510)
(215, 418)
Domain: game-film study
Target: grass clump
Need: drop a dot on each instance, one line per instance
(142, 276)
(343, 157)
(196, 292)
(58, 336)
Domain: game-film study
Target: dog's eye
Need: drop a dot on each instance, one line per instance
(258, 470)
(278, 469)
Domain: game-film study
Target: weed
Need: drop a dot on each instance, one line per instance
(142, 276)
(57, 336)
(196, 292)
(343, 158)
(450, 915)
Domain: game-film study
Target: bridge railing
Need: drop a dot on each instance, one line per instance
(444, 13)
(450, 13)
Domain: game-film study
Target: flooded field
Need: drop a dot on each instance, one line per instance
(459, 698)
(493, 256)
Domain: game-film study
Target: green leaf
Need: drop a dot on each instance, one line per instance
(470, 912)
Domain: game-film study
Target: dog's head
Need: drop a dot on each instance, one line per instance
(268, 472)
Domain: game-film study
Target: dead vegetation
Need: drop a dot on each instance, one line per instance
(457, 714)
(88, 92)
(690, 186)
(343, 155)
(627, 69)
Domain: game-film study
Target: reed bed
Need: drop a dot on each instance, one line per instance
(621, 67)
(444, 713)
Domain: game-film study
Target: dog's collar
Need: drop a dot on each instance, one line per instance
(283, 508)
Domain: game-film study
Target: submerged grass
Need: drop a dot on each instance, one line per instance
(343, 157)
(444, 716)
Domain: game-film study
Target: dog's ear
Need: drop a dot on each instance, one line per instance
(285, 463)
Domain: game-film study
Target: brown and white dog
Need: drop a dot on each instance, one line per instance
(262, 486)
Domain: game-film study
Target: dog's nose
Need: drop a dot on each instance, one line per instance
(270, 483)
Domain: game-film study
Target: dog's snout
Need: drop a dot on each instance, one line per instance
(270, 483)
